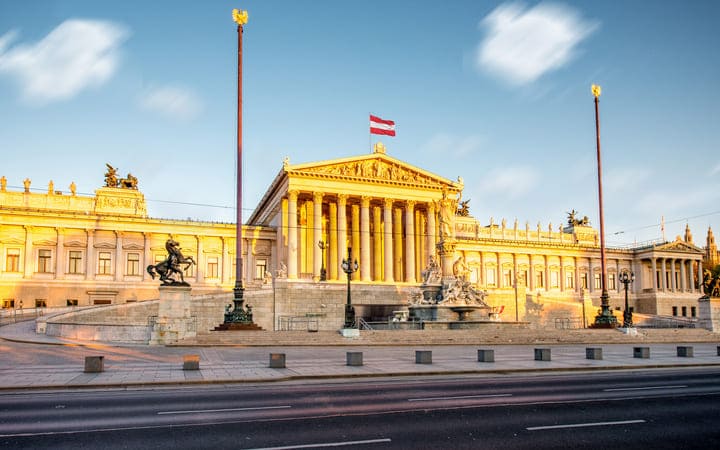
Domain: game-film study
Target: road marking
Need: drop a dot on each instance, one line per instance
(327, 444)
(589, 424)
(463, 397)
(195, 411)
(645, 388)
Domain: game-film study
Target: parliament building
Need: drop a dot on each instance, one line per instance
(62, 249)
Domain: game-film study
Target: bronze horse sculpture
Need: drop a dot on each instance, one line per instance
(167, 269)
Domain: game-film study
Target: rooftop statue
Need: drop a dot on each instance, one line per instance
(170, 269)
(112, 180)
(573, 221)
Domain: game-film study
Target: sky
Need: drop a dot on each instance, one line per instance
(495, 92)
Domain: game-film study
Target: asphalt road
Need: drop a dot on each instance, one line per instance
(668, 408)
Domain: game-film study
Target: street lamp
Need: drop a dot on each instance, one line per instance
(605, 319)
(349, 267)
(323, 273)
(627, 277)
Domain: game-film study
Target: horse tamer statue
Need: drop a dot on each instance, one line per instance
(170, 269)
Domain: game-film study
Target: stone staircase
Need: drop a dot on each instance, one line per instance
(489, 335)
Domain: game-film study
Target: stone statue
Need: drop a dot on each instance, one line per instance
(461, 269)
(464, 210)
(26, 184)
(3, 184)
(111, 176)
(129, 183)
(51, 188)
(573, 221)
(447, 216)
(73, 188)
(461, 292)
(282, 271)
(171, 266)
(431, 274)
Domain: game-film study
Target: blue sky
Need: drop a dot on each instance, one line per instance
(495, 92)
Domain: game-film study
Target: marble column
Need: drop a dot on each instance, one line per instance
(377, 237)
(654, 275)
(499, 271)
(547, 272)
(591, 276)
(225, 262)
(673, 283)
(292, 264)
(118, 256)
(147, 256)
(201, 260)
(562, 283)
(683, 276)
(60, 254)
(430, 230)
(578, 288)
(317, 234)
(388, 234)
(365, 238)
(342, 238)
(663, 276)
(531, 274)
(397, 243)
(410, 242)
(90, 264)
(28, 260)
(333, 264)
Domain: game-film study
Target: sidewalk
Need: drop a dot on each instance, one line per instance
(28, 360)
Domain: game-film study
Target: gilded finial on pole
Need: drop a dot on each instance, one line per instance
(240, 17)
(594, 88)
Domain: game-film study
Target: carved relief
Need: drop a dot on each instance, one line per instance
(374, 169)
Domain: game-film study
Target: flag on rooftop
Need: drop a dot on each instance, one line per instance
(381, 126)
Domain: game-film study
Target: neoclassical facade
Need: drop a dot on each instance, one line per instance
(64, 249)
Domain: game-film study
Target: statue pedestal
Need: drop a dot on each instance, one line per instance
(174, 320)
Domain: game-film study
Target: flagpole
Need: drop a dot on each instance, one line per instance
(369, 133)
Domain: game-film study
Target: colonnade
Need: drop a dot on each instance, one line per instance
(674, 275)
(392, 239)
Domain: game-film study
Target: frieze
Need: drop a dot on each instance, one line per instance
(374, 169)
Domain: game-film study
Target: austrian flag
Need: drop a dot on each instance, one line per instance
(380, 126)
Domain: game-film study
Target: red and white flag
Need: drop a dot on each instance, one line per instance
(380, 126)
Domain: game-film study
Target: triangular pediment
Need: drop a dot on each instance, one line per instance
(74, 244)
(106, 245)
(12, 241)
(680, 246)
(372, 168)
(133, 246)
(44, 243)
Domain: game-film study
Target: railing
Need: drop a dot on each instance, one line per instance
(298, 323)
(651, 321)
(362, 324)
(568, 323)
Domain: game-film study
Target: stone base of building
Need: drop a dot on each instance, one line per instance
(174, 320)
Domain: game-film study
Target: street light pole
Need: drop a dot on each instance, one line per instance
(605, 319)
(627, 277)
(349, 267)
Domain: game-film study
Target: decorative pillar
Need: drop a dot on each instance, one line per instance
(430, 230)
(28, 260)
(663, 277)
(499, 271)
(118, 256)
(410, 242)
(365, 238)
(147, 256)
(673, 283)
(317, 235)
(201, 262)
(342, 240)
(388, 234)
(591, 276)
(547, 272)
(531, 274)
(224, 264)
(397, 242)
(562, 275)
(654, 276)
(355, 211)
(683, 276)
(292, 263)
(377, 252)
(700, 278)
(60, 254)
(578, 288)
(91, 263)
(332, 235)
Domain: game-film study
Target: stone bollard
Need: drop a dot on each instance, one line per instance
(423, 357)
(641, 352)
(354, 358)
(718, 350)
(486, 355)
(542, 354)
(277, 360)
(593, 353)
(684, 351)
(94, 364)
(191, 362)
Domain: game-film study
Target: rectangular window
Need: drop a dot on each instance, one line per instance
(212, 267)
(554, 279)
(611, 281)
(72, 302)
(12, 260)
(104, 263)
(539, 279)
(75, 261)
(133, 264)
(684, 311)
(507, 278)
(598, 281)
(584, 281)
(44, 257)
(674, 310)
(490, 277)
(523, 277)
(8, 303)
(40, 303)
(693, 311)
(260, 268)
(570, 280)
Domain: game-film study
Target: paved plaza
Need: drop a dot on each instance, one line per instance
(29, 360)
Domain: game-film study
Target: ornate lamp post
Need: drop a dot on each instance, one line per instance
(605, 319)
(239, 314)
(323, 272)
(349, 267)
(627, 277)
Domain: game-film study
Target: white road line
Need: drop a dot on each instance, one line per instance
(195, 411)
(580, 425)
(428, 399)
(327, 444)
(645, 388)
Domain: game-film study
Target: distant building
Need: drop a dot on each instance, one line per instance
(65, 249)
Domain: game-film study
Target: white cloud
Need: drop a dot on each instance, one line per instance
(510, 182)
(521, 45)
(175, 102)
(74, 56)
(455, 146)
